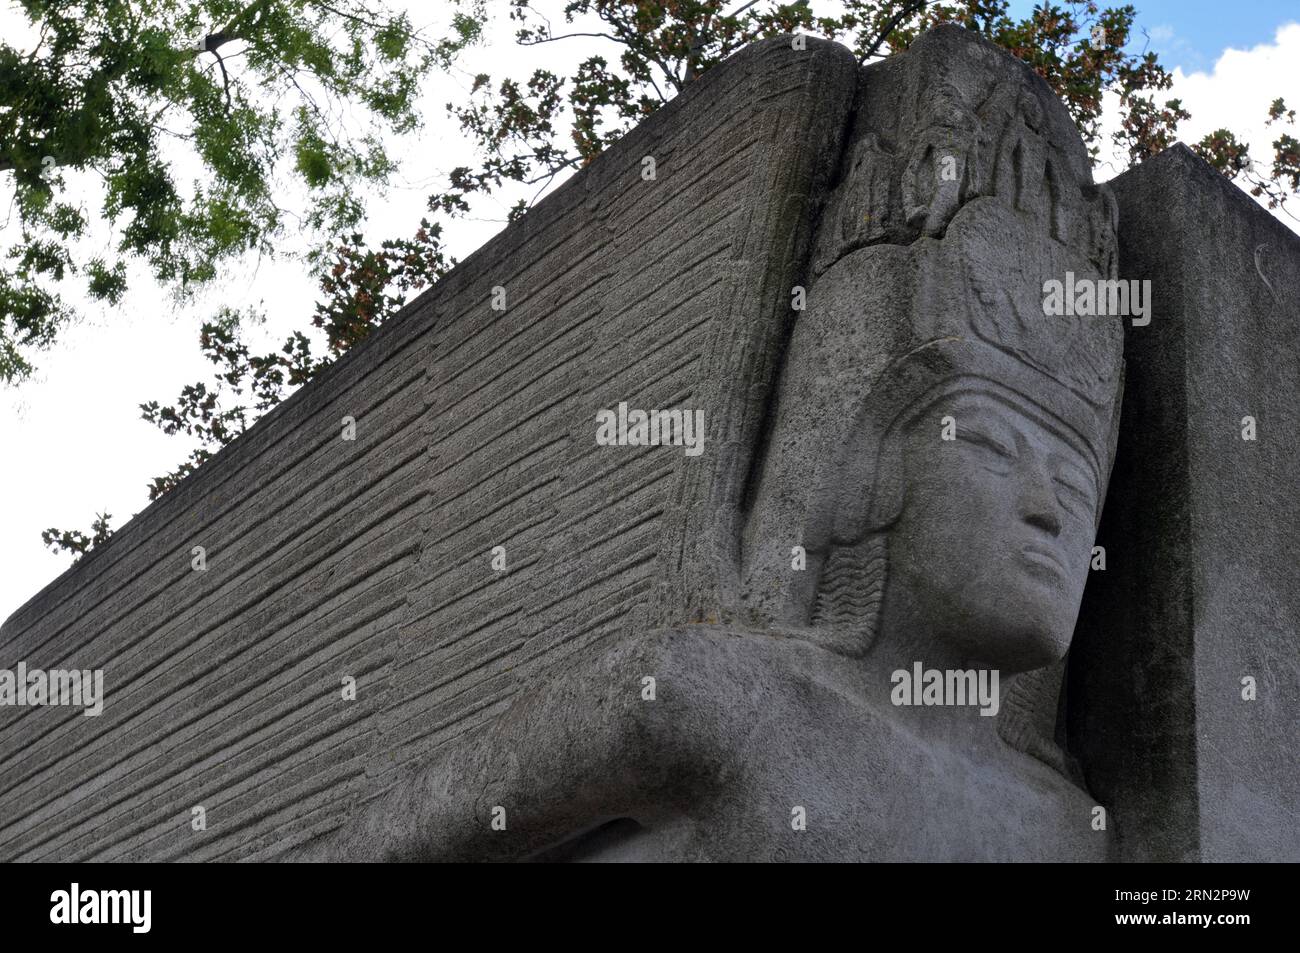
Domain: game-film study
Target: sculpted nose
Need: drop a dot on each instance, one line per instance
(1046, 520)
(1039, 505)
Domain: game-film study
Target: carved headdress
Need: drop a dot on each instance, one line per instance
(942, 291)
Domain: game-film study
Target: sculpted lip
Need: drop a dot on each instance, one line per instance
(1042, 556)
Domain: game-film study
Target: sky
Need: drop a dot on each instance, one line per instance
(1192, 34)
(71, 439)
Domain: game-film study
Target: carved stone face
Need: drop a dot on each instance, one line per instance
(991, 549)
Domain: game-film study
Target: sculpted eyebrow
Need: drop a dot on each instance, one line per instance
(994, 427)
(1068, 471)
(979, 434)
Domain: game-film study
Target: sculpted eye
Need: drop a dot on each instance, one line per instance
(981, 439)
(1071, 492)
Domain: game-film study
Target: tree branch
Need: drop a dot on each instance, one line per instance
(237, 28)
(225, 79)
(566, 36)
(916, 6)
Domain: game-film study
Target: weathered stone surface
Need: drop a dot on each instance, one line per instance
(1201, 531)
(918, 550)
(475, 428)
(745, 728)
(694, 657)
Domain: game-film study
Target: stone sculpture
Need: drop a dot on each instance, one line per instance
(844, 606)
(952, 554)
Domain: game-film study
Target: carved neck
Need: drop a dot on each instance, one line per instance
(902, 640)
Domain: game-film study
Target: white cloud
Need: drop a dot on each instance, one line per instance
(1235, 95)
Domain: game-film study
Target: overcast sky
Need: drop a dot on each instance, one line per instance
(72, 440)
